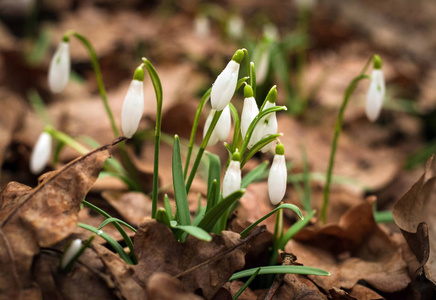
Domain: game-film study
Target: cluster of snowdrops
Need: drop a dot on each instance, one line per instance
(255, 130)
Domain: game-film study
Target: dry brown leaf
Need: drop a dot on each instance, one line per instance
(363, 293)
(42, 216)
(161, 286)
(298, 288)
(366, 253)
(132, 206)
(414, 214)
(158, 251)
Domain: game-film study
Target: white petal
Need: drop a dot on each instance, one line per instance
(277, 180)
(249, 112)
(224, 124)
(71, 252)
(224, 86)
(214, 136)
(41, 153)
(375, 95)
(59, 70)
(133, 108)
(232, 178)
(262, 69)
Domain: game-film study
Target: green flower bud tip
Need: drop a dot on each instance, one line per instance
(248, 91)
(66, 38)
(272, 94)
(280, 149)
(238, 56)
(236, 156)
(377, 62)
(139, 74)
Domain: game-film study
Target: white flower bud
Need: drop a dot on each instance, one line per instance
(69, 254)
(225, 84)
(133, 108)
(277, 178)
(222, 128)
(59, 70)
(263, 64)
(202, 26)
(235, 27)
(265, 127)
(41, 153)
(249, 112)
(232, 178)
(375, 95)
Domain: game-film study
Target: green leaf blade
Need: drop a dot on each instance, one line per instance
(302, 270)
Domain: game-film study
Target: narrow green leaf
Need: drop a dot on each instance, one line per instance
(384, 216)
(112, 220)
(259, 145)
(242, 289)
(195, 231)
(292, 207)
(237, 138)
(161, 216)
(115, 245)
(302, 270)
(307, 206)
(294, 229)
(213, 180)
(216, 212)
(168, 209)
(199, 216)
(253, 78)
(255, 174)
(182, 207)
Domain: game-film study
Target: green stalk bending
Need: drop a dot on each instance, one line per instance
(103, 95)
(157, 133)
(203, 145)
(194, 129)
(247, 60)
(338, 127)
(99, 77)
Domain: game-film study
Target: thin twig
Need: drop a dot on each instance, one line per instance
(254, 234)
(288, 259)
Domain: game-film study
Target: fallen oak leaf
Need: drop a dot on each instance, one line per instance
(201, 266)
(42, 216)
(414, 215)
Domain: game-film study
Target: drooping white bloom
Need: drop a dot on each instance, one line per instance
(277, 178)
(133, 108)
(232, 178)
(71, 252)
(202, 26)
(225, 85)
(59, 70)
(262, 69)
(249, 112)
(222, 128)
(375, 95)
(41, 153)
(265, 127)
(235, 27)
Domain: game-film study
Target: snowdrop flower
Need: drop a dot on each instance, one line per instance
(202, 26)
(235, 27)
(232, 178)
(133, 105)
(222, 128)
(268, 124)
(263, 64)
(69, 254)
(277, 178)
(59, 70)
(249, 111)
(225, 85)
(376, 91)
(41, 153)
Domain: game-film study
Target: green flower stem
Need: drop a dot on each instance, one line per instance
(247, 60)
(66, 139)
(203, 145)
(102, 90)
(98, 75)
(194, 129)
(157, 133)
(338, 127)
(237, 129)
